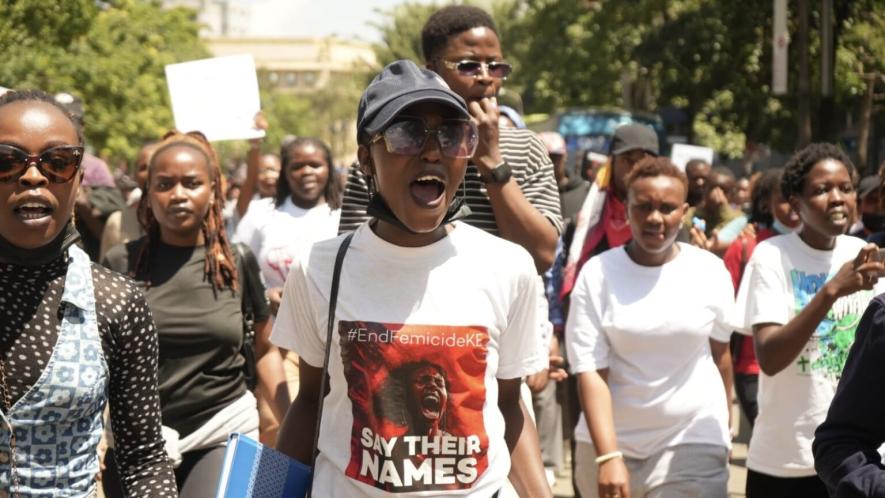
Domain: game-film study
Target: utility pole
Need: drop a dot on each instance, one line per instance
(827, 114)
(804, 84)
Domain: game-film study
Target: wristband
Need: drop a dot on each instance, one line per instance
(609, 456)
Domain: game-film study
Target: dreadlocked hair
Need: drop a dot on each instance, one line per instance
(220, 267)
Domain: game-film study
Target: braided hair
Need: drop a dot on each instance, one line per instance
(220, 267)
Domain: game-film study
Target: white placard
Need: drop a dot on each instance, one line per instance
(683, 153)
(217, 96)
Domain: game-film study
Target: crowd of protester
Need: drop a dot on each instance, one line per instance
(453, 315)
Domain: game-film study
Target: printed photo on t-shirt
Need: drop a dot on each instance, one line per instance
(279, 261)
(827, 350)
(417, 393)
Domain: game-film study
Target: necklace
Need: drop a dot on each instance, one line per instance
(6, 396)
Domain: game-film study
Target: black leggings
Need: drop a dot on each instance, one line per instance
(746, 386)
(196, 477)
(761, 485)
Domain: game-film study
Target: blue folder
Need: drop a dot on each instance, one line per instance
(252, 470)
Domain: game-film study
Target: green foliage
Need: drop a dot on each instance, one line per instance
(711, 58)
(401, 33)
(862, 51)
(334, 109)
(286, 114)
(112, 58)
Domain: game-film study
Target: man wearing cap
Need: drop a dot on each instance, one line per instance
(869, 208)
(602, 221)
(509, 184)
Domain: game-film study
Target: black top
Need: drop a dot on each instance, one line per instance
(845, 445)
(571, 198)
(105, 200)
(877, 238)
(30, 311)
(200, 329)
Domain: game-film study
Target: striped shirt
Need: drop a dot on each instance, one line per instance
(532, 170)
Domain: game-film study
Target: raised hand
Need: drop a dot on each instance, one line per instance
(484, 113)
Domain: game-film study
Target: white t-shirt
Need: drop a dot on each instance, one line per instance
(276, 236)
(457, 314)
(254, 217)
(650, 326)
(782, 276)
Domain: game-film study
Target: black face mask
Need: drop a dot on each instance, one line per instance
(11, 253)
(873, 222)
(378, 208)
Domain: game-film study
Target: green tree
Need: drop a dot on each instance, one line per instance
(111, 57)
(287, 114)
(34, 40)
(860, 66)
(689, 54)
(401, 32)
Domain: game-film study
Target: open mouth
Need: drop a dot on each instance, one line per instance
(309, 184)
(428, 191)
(31, 211)
(430, 406)
(838, 217)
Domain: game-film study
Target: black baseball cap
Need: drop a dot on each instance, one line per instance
(867, 185)
(398, 86)
(634, 136)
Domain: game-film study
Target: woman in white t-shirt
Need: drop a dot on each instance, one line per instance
(647, 329)
(304, 210)
(435, 321)
(802, 296)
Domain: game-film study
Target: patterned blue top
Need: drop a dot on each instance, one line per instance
(104, 344)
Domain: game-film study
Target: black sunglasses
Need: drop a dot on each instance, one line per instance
(467, 67)
(57, 164)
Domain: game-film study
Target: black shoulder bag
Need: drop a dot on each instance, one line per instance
(247, 263)
(324, 379)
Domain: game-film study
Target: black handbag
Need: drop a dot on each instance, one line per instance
(248, 271)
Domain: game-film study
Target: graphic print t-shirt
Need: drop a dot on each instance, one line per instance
(277, 235)
(422, 335)
(783, 275)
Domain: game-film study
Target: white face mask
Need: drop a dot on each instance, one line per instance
(781, 229)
